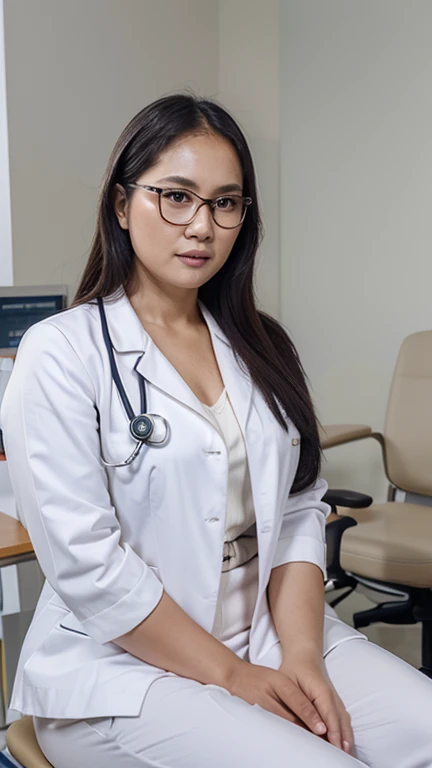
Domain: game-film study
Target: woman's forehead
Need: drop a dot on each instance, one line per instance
(205, 160)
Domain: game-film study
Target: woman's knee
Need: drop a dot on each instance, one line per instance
(389, 702)
(215, 728)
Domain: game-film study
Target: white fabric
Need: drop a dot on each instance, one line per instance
(240, 513)
(110, 540)
(184, 724)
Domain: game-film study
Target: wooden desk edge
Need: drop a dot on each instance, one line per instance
(14, 539)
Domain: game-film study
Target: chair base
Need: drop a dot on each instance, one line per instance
(416, 608)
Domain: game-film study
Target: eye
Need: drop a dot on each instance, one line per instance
(176, 196)
(226, 203)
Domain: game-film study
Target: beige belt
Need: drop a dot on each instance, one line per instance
(239, 552)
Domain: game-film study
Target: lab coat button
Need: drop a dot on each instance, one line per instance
(212, 519)
(266, 528)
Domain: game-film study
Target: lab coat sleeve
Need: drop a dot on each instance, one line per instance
(302, 535)
(49, 424)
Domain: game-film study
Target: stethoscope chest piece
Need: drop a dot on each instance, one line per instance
(141, 427)
(149, 427)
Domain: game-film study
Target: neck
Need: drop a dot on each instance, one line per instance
(165, 305)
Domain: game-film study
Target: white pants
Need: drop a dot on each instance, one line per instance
(185, 724)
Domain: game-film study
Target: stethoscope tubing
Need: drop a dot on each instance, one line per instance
(144, 422)
(114, 370)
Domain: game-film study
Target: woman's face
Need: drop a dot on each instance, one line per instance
(206, 164)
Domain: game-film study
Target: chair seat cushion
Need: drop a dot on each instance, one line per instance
(22, 744)
(392, 542)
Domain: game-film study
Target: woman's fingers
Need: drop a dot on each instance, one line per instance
(347, 736)
(347, 732)
(337, 719)
(291, 695)
(279, 708)
(334, 728)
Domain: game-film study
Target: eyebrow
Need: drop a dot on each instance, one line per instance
(189, 183)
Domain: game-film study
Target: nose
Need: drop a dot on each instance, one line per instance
(202, 225)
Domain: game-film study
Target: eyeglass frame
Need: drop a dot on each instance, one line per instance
(205, 201)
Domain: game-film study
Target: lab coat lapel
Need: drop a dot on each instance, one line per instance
(125, 329)
(128, 334)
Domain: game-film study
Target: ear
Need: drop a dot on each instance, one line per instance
(121, 206)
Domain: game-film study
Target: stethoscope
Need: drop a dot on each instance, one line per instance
(146, 427)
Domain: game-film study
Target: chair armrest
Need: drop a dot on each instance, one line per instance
(335, 527)
(334, 532)
(339, 434)
(343, 498)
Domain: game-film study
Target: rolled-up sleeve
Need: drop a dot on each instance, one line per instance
(50, 429)
(302, 535)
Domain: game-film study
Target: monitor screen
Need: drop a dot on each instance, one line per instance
(22, 307)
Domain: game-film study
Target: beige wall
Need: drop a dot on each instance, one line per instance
(339, 123)
(76, 73)
(249, 87)
(356, 231)
(6, 277)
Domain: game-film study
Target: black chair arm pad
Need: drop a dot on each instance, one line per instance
(334, 533)
(343, 498)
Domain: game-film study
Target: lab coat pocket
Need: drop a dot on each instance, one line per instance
(72, 631)
(71, 624)
(102, 725)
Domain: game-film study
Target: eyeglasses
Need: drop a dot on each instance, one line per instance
(180, 206)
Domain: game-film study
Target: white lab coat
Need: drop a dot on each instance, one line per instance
(110, 540)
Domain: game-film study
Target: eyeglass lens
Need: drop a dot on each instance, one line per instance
(179, 207)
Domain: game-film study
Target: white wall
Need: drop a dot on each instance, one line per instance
(76, 73)
(356, 236)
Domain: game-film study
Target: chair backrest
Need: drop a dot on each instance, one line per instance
(408, 422)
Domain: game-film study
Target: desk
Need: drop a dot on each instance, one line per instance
(15, 548)
(15, 545)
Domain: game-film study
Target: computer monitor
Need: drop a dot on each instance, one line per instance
(22, 306)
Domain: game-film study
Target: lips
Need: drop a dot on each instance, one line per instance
(194, 255)
(193, 260)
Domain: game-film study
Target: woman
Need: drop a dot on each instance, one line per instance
(182, 620)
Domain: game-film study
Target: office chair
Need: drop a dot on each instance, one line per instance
(388, 547)
(22, 749)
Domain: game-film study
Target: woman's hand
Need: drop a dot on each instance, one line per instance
(309, 674)
(277, 693)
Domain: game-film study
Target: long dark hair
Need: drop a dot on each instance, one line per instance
(257, 339)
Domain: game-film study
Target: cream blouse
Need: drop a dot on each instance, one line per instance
(240, 512)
